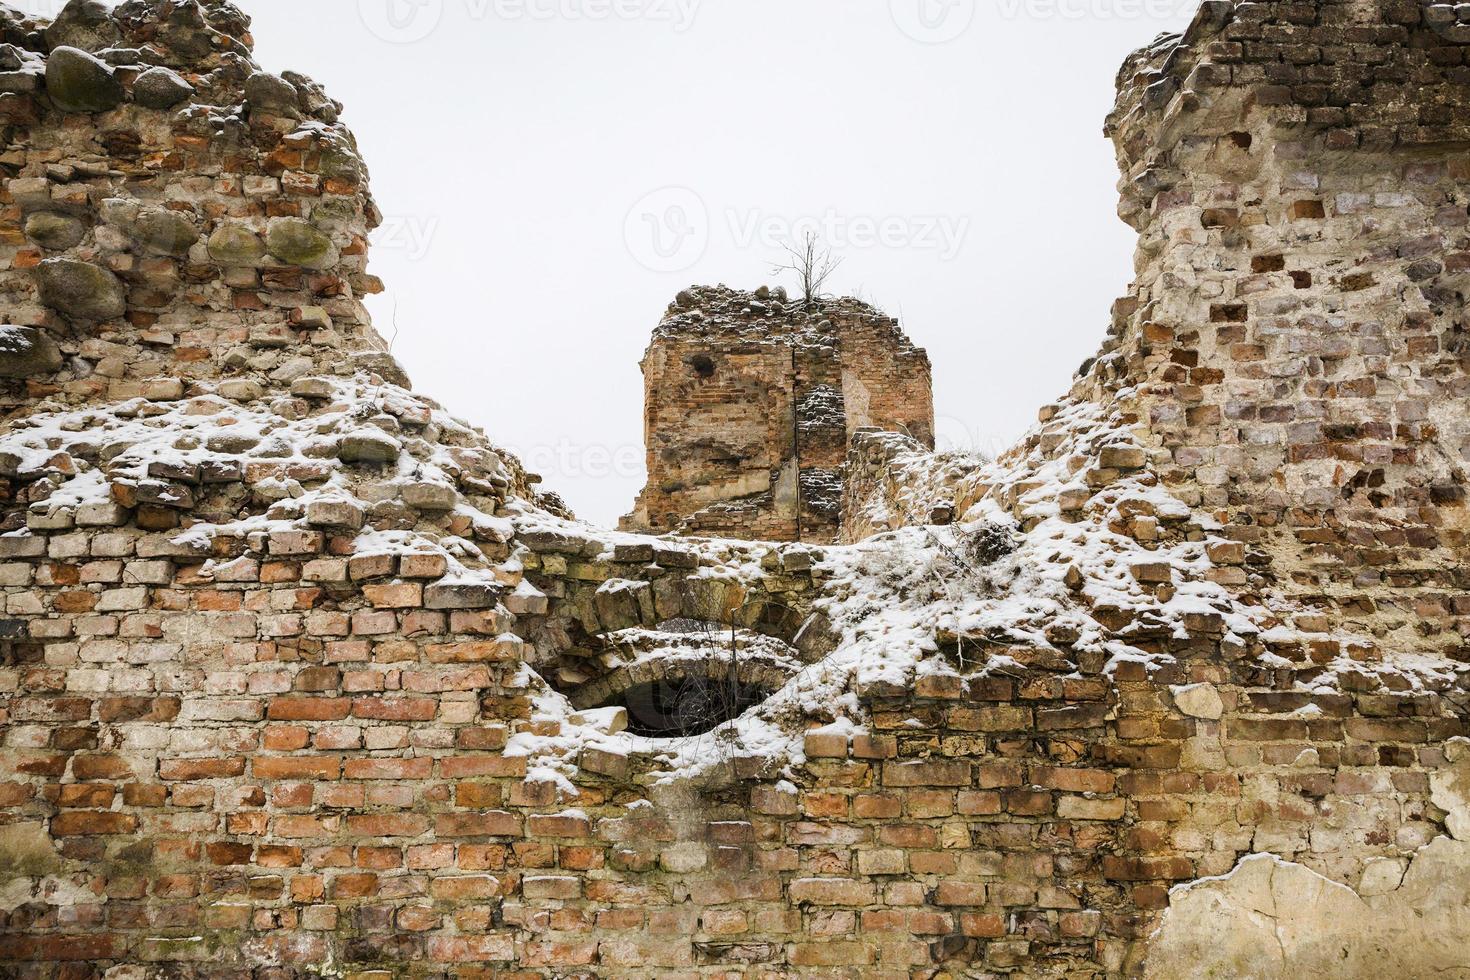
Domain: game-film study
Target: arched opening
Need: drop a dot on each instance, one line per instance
(703, 365)
(692, 704)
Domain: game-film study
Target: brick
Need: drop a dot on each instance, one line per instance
(421, 768)
(459, 888)
(397, 595)
(387, 824)
(296, 767)
(1072, 780)
(836, 954)
(86, 823)
(932, 772)
(1267, 729)
(490, 824)
(472, 949)
(831, 891)
(1118, 868)
(825, 746)
(953, 893)
(557, 887)
(884, 862)
(558, 825)
(191, 769)
(1082, 808)
(308, 709)
(395, 708)
(1073, 717)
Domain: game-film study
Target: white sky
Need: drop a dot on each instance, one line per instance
(554, 171)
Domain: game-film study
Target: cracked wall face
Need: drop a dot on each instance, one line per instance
(1268, 918)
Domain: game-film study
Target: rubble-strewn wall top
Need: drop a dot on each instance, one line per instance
(720, 311)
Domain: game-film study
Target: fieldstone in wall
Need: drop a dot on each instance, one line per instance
(382, 364)
(1450, 788)
(160, 231)
(84, 24)
(80, 289)
(55, 231)
(1199, 701)
(233, 244)
(80, 82)
(297, 242)
(161, 88)
(264, 90)
(368, 447)
(26, 352)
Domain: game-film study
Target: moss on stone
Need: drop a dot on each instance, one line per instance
(26, 850)
(297, 242)
(234, 244)
(163, 232)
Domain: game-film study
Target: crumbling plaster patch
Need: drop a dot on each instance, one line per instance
(1270, 918)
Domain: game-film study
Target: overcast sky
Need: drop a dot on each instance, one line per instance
(552, 172)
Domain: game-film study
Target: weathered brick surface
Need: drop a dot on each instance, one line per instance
(750, 401)
(271, 714)
(1291, 344)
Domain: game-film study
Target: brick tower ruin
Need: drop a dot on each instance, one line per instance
(751, 401)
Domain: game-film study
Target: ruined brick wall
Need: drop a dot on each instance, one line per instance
(1295, 342)
(297, 679)
(171, 214)
(750, 402)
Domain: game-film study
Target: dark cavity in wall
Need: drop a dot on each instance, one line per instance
(690, 705)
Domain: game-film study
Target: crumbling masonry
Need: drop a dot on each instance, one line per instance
(751, 401)
(300, 678)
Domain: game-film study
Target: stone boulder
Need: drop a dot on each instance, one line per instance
(370, 447)
(236, 246)
(26, 352)
(55, 231)
(83, 24)
(382, 364)
(272, 93)
(1450, 788)
(161, 88)
(80, 289)
(79, 82)
(158, 230)
(1199, 701)
(298, 242)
